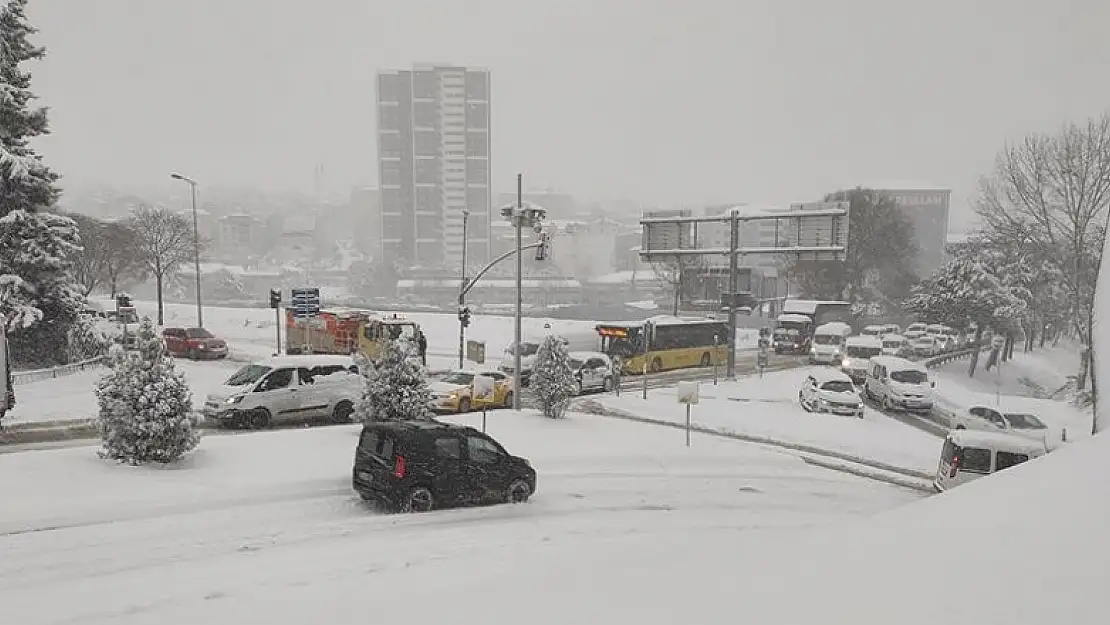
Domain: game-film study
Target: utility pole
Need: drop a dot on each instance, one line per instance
(462, 291)
(733, 269)
(519, 223)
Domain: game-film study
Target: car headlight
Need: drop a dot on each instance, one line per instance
(234, 399)
(846, 363)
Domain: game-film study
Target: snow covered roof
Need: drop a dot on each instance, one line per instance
(978, 438)
(793, 318)
(899, 185)
(864, 341)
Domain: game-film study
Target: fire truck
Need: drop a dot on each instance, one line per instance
(345, 331)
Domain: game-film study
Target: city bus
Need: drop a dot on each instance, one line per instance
(665, 343)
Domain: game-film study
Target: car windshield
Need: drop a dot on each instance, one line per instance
(1025, 422)
(838, 386)
(827, 339)
(889, 344)
(459, 377)
(575, 364)
(248, 375)
(909, 377)
(864, 352)
(199, 333)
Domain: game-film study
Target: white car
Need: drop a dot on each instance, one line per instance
(858, 351)
(287, 388)
(925, 346)
(915, 330)
(895, 345)
(830, 391)
(593, 371)
(989, 419)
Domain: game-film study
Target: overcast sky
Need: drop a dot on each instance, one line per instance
(656, 100)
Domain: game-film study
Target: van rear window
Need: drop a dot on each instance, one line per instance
(975, 460)
(1006, 459)
(377, 445)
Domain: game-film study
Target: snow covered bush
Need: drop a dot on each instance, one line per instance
(395, 388)
(553, 380)
(145, 404)
(91, 337)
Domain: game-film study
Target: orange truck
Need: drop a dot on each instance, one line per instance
(345, 331)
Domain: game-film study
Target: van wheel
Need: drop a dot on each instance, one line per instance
(519, 491)
(342, 412)
(464, 405)
(705, 359)
(656, 365)
(420, 499)
(259, 419)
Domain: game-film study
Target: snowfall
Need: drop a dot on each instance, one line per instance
(629, 525)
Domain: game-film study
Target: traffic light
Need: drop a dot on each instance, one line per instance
(464, 317)
(541, 251)
(275, 298)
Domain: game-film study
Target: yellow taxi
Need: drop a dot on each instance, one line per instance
(466, 390)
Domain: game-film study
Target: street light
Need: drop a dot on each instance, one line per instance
(520, 216)
(462, 286)
(196, 241)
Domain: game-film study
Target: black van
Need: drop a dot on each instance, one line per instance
(417, 466)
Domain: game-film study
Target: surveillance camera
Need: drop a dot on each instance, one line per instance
(537, 227)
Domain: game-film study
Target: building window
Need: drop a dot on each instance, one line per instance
(477, 86)
(477, 115)
(428, 226)
(389, 144)
(391, 172)
(427, 171)
(428, 199)
(477, 171)
(395, 227)
(425, 84)
(477, 144)
(391, 88)
(477, 200)
(389, 116)
(425, 143)
(424, 115)
(391, 200)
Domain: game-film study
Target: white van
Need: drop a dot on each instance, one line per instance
(896, 345)
(828, 342)
(969, 455)
(875, 331)
(287, 388)
(858, 351)
(898, 383)
(576, 341)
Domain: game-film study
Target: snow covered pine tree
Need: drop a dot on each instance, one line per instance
(145, 404)
(553, 380)
(395, 387)
(38, 293)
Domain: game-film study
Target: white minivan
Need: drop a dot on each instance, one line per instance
(287, 388)
(968, 455)
(897, 383)
(828, 342)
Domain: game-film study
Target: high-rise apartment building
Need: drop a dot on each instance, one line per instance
(434, 164)
(927, 208)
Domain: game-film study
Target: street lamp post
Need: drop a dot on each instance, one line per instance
(462, 295)
(196, 241)
(520, 216)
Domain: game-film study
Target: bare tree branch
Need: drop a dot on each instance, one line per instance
(165, 242)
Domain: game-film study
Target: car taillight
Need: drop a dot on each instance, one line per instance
(399, 467)
(955, 466)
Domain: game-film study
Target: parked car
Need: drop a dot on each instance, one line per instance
(593, 371)
(287, 388)
(875, 331)
(897, 383)
(194, 343)
(970, 455)
(462, 391)
(896, 345)
(418, 466)
(892, 328)
(925, 346)
(989, 419)
(914, 330)
(830, 391)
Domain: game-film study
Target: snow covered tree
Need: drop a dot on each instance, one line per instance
(553, 380)
(145, 404)
(967, 290)
(90, 337)
(37, 292)
(395, 388)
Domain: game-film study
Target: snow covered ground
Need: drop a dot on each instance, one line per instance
(768, 407)
(265, 527)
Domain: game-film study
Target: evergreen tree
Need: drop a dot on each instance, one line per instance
(395, 388)
(553, 381)
(37, 291)
(145, 404)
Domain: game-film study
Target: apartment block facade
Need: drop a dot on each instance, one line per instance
(434, 165)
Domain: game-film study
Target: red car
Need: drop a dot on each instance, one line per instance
(194, 343)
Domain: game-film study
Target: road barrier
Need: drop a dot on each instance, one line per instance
(34, 375)
(936, 361)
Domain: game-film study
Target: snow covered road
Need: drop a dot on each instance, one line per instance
(250, 519)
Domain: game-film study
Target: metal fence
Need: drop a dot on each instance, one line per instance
(937, 361)
(34, 375)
